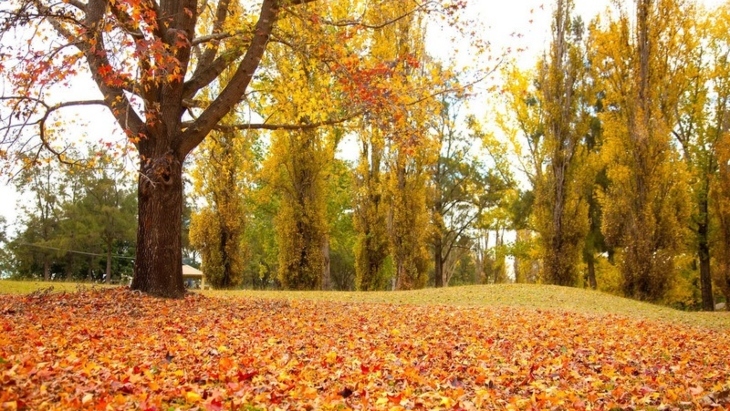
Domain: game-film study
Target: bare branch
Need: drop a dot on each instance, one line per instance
(41, 122)
(459, 89)
(212, 37)
(294, 127)
(361, 24)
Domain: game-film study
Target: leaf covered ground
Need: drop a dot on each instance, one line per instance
(117, 349)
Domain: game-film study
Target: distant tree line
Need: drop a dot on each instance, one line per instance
(77, 221)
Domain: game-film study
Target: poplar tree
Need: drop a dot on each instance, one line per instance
(301, 162)
(645, 205)
(391, 216)
(221, 178)
(371, 248)
(411, 151)
(561, 211)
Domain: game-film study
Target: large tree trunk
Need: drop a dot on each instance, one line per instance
(158, 266)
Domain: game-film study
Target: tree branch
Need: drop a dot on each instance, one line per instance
(270, 126)
(212, 37)
(359, 23)
(114, 98)
(209, 54)
(236, 88)
(41, 122)
(205, 75)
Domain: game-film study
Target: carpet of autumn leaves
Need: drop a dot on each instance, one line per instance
(117, 349)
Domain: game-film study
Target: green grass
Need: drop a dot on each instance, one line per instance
(509, 295)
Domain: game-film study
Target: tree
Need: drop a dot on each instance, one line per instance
(462, 190)
(105, 211)
(390, 209)
(645, 205)
(718, 129)
(408, 225)
(6, 259)
(82, 219)
(42, 217)
(301, 173)
(301, 90)
(559, 206)
(513, 209)
(721, 205)
(217, 229)
(149, 60)
(695, 131)
(371, 248)
(342, 235)
(594, 241)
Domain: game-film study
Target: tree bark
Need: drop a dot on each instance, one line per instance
(326, 277)
(46, 269)
(591, 275)
(158, 266)
(439, 262)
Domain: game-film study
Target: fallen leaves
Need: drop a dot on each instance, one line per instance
(116, 349)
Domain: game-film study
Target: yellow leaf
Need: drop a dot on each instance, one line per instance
(193, 397)
(331, 357)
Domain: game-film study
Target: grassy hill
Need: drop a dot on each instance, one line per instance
(532, 296)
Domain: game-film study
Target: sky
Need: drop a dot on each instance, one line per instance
(511, 24)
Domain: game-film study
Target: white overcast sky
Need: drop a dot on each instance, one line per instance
(497, 21)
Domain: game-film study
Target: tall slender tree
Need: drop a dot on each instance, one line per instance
(371, 248)
(559, 205)
(221, 177)
(301, 223)
(645, 205)
(42, 214)
(693, 130)
(391, 209)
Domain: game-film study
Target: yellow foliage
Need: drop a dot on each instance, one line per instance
(646, 205)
